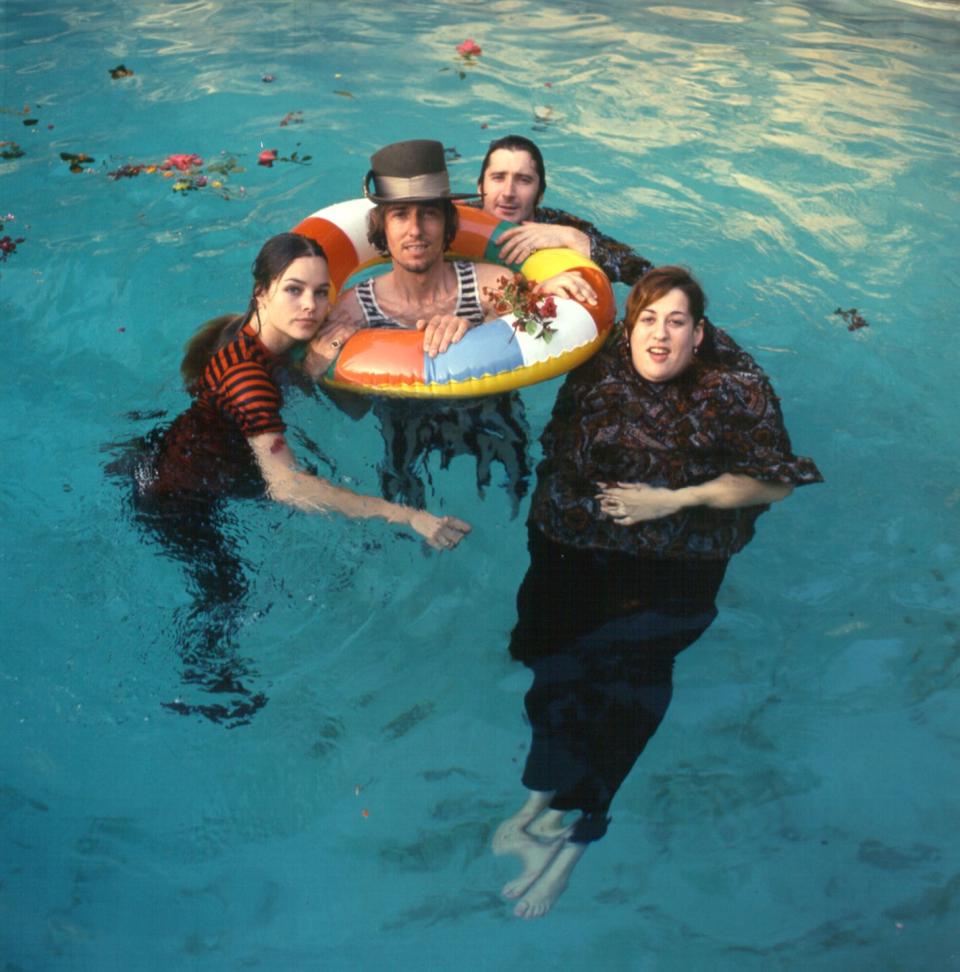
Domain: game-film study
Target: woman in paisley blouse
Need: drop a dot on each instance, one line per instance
(660, 456)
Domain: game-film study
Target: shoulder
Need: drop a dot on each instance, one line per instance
(605, 374)
(244, 358)
(745, 392)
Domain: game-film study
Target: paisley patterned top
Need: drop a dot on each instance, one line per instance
(611, 425)
(614, 258)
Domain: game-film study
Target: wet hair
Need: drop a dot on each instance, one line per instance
(657, 283)
(377, 223)
(270, 264)
(517, 143)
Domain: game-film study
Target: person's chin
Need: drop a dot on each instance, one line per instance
(420, 263)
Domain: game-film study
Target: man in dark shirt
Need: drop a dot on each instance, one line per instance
(511, 185)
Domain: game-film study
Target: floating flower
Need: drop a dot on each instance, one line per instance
(532, 313)
(267, 157)
(182, 162)
(853, 318)
(469, 48)
(125, 172)
(77, 160)
(9, 245)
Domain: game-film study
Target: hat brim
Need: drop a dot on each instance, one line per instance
(452, 196)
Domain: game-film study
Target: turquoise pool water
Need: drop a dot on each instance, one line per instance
(798, 808)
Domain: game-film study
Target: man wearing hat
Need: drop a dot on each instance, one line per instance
(414, 222)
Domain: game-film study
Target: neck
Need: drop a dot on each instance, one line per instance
(409, 297)
(275, 342)
(430, 285)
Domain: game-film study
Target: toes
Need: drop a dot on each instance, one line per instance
(514, 889)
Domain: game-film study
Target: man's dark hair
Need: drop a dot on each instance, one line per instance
(376, 223)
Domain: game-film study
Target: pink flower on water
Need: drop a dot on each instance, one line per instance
(469, 48)
(182, 162)
(267, 157)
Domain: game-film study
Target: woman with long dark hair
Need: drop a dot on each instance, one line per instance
(231, 443)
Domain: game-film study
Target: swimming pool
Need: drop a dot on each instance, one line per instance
(798, 808)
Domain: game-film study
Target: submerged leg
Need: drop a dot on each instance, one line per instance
(193, 533)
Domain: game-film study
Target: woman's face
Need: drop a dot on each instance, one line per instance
(664, 337)
(295, 304)
(510, 185)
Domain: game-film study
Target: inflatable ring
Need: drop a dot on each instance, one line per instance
(491, 358)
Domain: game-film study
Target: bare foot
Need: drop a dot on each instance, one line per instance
(553, 881)
(506, 833)
(535, 854)
(527, 822)
(535, 839)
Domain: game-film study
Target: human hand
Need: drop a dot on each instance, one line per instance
(629, 503)
(325, 345)
(332, 337)
(441, 331)
(440, 532)
(520, 242)
(568, 284)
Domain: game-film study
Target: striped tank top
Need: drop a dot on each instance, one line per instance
(468, 299)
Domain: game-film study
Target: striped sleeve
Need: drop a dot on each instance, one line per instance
(245, 391)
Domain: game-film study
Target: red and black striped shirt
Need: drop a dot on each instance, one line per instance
(206, 450)
(238, 382)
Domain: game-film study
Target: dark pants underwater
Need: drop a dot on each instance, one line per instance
(491, 429)
(600, 631)
(195, 531)
(179, 476)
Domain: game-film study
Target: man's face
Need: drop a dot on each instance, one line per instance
(414, 234)
(511, 185)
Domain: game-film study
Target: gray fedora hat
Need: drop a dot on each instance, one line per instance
(413, 171)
